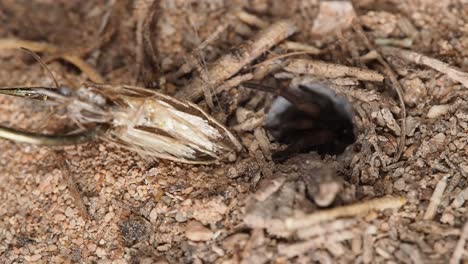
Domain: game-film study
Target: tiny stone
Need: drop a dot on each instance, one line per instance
(438, 111)
(33, 258)
(51, 247)
(164, 247)
(439, 138)
(181, 217)
(92, 247)
(69, 212)
(413, 197)
(398, 172)
(60, 217)
(153, 215)
(79, 241)
(448, 218)
(195, 231)
(109, 216)
(399, 184)
(100, 252)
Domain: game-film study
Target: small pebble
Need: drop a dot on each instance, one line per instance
(109, 216)
(60, 217)
(33, 258)
(164, 247)
(92, 247)
(100, 252)
(195, 231)
(399, 184)
(181, 217)
(438, 111)
(153, 215)
(69, 212)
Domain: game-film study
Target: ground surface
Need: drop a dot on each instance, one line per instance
(97, 203)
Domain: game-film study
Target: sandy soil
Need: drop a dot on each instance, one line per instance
(98, 203)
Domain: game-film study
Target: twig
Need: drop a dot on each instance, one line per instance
(330, 70)
(87, 69)
(192, 58)
(396, 85)
(368, 240)
(296, 46)
(229, 64)
(251, 20)
(460, 248)
(322, 229)
(145, 12)
(233, 82)
(436, 198)
(407, 42)
(345, 211)
(414, 57)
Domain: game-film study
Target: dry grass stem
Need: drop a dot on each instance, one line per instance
(322, 229)
(87, 69)
(296, 46)
(251, 20)
(436, 198)
(460, 248)
(331, 70)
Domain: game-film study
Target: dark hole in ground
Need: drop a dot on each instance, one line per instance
(309, 116)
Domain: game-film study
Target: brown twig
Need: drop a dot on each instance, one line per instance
(330, 70)
(296, 46)
(344, 211)
(229, 64)
(251, 19)
(414, 57)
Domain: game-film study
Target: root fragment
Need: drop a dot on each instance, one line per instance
(330, 70)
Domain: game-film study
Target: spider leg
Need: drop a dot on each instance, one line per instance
(297, 97)
(35, 93)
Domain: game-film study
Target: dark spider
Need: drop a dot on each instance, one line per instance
(309, 117)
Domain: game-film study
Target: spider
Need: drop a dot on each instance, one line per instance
(309, 116)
